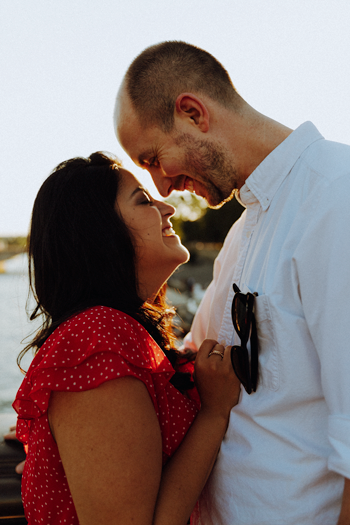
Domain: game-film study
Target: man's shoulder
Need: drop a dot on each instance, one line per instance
(330, 160)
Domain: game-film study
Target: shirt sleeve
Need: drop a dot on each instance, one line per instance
(322, 262)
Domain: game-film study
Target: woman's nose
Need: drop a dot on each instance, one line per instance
(166, 209)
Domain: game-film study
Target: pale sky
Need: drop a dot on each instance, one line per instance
(62, 61)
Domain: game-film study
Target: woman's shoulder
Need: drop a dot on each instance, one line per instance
(94, 346)
(95, 330)
(96, 325)
(101, 319)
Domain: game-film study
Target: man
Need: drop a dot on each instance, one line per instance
(287, 449)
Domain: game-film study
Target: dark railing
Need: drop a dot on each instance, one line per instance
(11, 508)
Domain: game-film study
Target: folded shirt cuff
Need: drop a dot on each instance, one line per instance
(339, 438)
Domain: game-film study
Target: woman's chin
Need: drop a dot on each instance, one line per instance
(184, 255)
(180, 260)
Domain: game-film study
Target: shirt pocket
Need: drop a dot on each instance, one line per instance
(268, 355)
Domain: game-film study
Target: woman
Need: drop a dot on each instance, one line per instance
(114, 434)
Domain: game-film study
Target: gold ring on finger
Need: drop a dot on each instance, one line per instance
(216, 352)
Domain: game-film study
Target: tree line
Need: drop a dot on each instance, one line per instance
(194, 221)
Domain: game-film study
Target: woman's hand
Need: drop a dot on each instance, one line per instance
(12, 435)
(217, 384)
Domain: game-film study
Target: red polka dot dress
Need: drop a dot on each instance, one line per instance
(90, 348)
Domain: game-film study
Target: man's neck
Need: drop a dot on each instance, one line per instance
(255, 137)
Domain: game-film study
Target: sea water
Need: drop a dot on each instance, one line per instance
(14, 329)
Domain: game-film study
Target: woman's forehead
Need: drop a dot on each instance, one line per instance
(128, 178)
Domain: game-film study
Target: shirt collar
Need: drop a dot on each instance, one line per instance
(265, 180)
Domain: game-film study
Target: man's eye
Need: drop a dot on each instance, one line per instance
(153, 162)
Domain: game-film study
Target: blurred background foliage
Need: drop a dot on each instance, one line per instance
(195, 222)
(202, 231)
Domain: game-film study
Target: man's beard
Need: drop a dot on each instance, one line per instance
(207, 163)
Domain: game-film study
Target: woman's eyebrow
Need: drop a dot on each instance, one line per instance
(136, 190)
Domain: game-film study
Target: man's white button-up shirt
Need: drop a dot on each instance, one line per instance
(287, 447)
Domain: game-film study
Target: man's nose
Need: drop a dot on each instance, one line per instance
(162, 182)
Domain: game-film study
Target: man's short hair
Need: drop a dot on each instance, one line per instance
(162, 72)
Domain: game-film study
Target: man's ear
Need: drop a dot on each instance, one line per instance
(192, 108)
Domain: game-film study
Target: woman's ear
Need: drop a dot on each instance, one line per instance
(191, 108)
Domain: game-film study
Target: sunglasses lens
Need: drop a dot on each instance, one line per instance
(241, 316)
(244, 323)
(254, 362)
(240, 363)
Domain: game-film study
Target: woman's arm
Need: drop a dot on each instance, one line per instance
(186, 473)
(344, 518)
(118, 479)
(113, 478)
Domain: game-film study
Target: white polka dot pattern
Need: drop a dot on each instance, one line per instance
(92, 347)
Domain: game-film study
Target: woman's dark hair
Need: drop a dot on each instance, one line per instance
(81, 254)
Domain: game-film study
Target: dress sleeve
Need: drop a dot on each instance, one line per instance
(97, 345)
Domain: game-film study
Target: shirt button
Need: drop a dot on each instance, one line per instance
(248, 234)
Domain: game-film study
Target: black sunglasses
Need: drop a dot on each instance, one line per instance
(245, 325)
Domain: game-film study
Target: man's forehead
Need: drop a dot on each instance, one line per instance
(126, 124)
(133, 137)
(123, 110)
